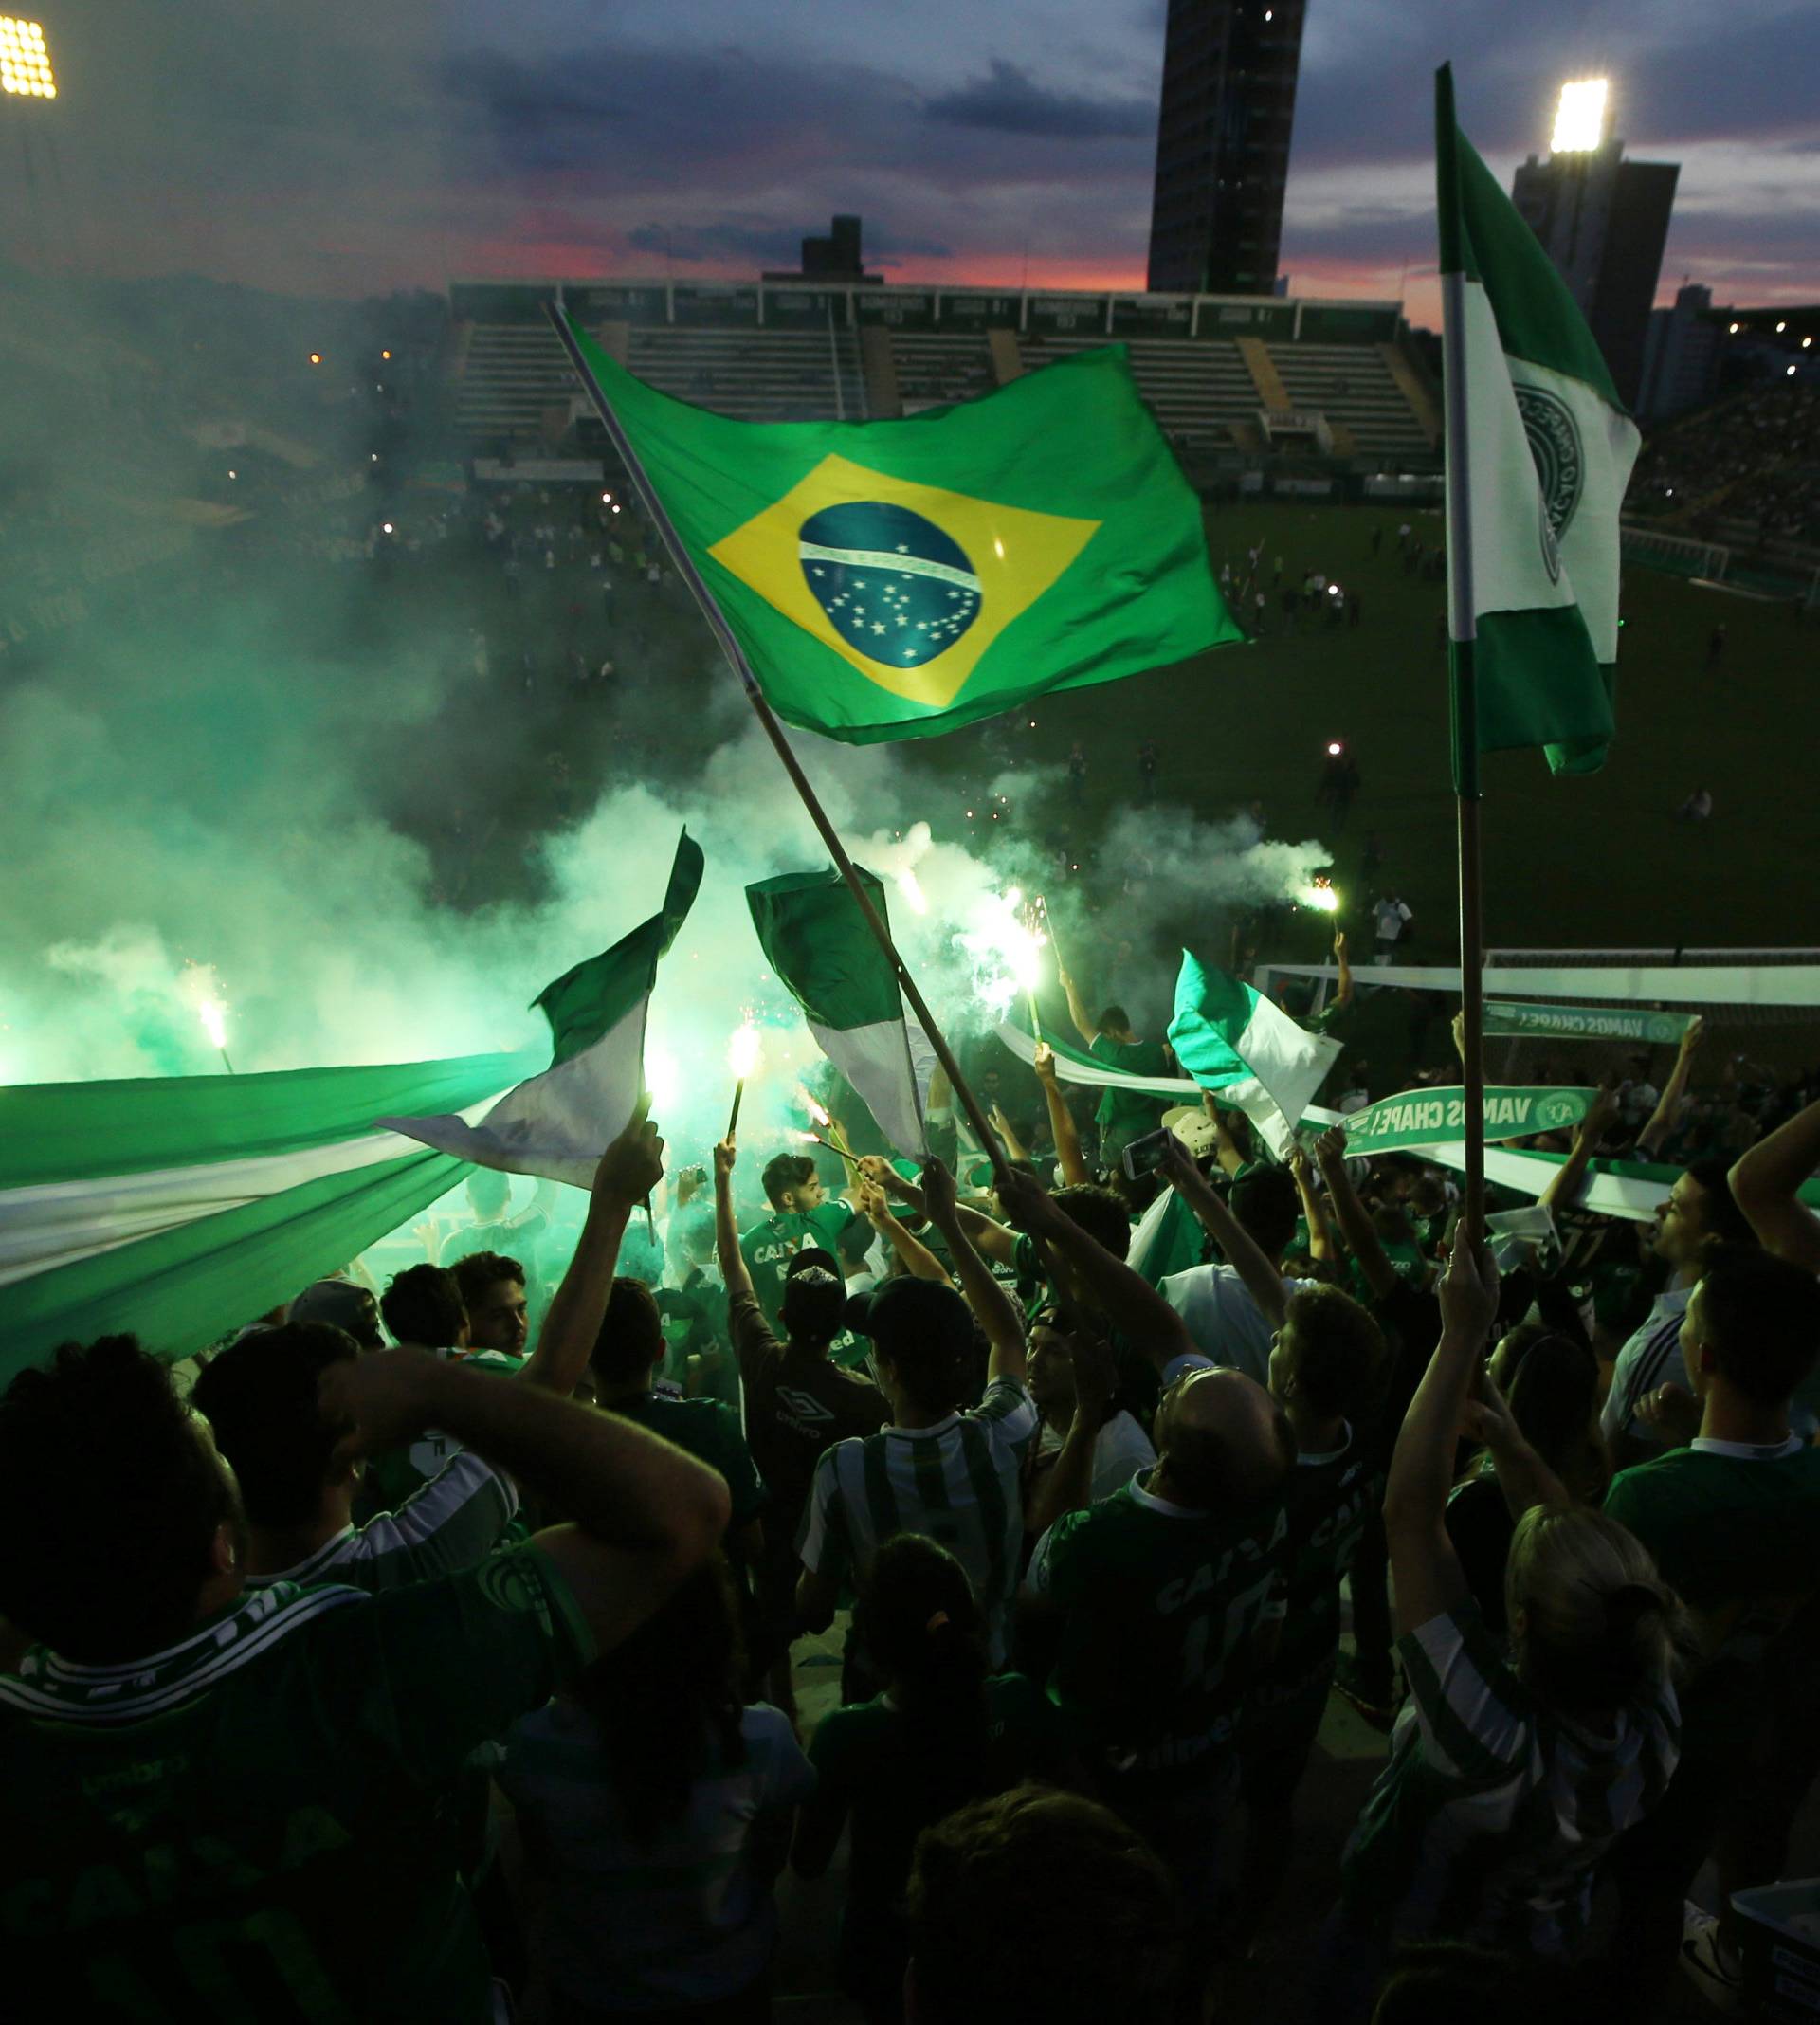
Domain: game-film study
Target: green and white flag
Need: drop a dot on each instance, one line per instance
(816, 940)
(1506, 1018)
(1437, 1117)
(179, 1207)
(1075, 1064)
(557, 1124)
(1236, 1043)
(1546, 453)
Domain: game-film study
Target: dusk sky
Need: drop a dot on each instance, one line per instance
(345, 146)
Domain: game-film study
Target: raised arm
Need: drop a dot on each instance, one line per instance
(1124, 1297)
(1361, 1237)
(1243, 1251)
(919, 1260)
(733, 1269)
(1766, 1184)
(1225, 1148)
(1668, 1104)
(1343, 988)
(1014, 1147)
(1425, 1569)
(1067, 1486)
(1321, 1246)
(1069, 1157)
(1087, 1029)
(993, 1308)
(990, 1237)
(629, 1170)
(645, 1514)
(1564, 1189)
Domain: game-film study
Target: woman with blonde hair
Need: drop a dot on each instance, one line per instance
(1512, 1769)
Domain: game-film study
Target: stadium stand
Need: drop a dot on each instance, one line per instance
(1212, 368)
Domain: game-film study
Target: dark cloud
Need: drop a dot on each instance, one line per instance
(1009, 102)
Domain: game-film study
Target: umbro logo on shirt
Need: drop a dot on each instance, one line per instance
(805, 1406)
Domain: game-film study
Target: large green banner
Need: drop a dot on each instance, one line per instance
(1508, 1017)
(1434, 1118)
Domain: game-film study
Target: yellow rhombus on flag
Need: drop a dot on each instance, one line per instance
(896, 579)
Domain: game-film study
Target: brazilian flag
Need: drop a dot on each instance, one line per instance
(896, 579)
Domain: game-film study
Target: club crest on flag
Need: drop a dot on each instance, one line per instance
(909, 583)
(1554, 439)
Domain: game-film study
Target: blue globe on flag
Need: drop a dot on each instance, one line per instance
(893, 586)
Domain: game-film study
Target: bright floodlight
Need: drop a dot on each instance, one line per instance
(24, 63)
(1579, 118)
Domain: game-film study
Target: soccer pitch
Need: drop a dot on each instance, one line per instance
(1598, 862)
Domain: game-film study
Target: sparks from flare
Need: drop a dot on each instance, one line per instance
(743, 1050)
(1319, 895)
(1006, 948)
(816, 1111)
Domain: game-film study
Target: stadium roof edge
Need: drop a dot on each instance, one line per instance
(908, 288)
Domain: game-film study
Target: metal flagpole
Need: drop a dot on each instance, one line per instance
(736, 660)
(1462, 632)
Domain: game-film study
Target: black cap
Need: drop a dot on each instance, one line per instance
(907, 1311)
(813, 1255)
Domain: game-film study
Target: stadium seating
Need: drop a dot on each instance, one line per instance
(1200, 391)
(1351, 385)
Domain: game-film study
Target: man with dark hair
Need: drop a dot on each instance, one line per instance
(1038, 1905)
(1122, 1115)
(1732, 1520)
(799, 1402)
(1698, 1209)
(226, 1804)
(801, 1213)
(939, 1468)
(623, 1366)
(499, 1314)
(1222, 1314)
(1328, 1364)
(297, 1489)
(422, 1305)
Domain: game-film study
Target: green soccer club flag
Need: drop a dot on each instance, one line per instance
(1548, 450)
(896, 579)
(558, 1124)
(817, 943)
(1234, 1042)
(1506, 1018)
(179, 1207)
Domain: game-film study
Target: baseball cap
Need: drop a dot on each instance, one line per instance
(1194, 1127)
(345, 1305)
(905, 1311)
(813, 1255)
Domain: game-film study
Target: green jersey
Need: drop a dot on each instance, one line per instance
(246, 1824)
(1159, 1605)
(449, 1523)
(1124, 1114)
(769, 1247)
(397, 1475)
(711, 1434)
(1328, 1500)
(1736, 1529)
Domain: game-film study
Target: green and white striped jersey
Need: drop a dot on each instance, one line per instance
(449, 1523)
(1493, 1811)
(248, 1824)
(956, 1482)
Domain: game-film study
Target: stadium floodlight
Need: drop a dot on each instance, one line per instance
(1732, 328)
(1805, 342)
(25, 62)
(1781, 327)
(1579, 116)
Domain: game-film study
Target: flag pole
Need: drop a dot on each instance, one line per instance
(774, 730)
(1462, 639)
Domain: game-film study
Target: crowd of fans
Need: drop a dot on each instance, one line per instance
(1753, 461)
(371, 1667)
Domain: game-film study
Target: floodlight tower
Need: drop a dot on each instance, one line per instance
(26, 74)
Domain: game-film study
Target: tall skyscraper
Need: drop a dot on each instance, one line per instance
(1223, 144)
(1604, 222)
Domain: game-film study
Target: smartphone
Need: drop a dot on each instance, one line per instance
(1145, 1155)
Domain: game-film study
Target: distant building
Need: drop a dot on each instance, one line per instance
(834, 258)
(1604, 222)
(1228, 103)
(1680, 357)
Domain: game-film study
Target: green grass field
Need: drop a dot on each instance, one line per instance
(1592, 863)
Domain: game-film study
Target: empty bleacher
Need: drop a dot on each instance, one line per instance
(509, 375)
(941, 366)
(1199, 389)
(1351, 385)
(756, 376)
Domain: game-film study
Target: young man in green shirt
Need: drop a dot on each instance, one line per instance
(801, 1213)
(1732, 1520)
(1122, 1117)
(225, 1802)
